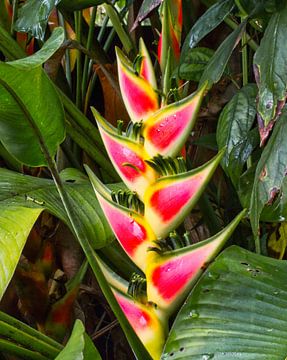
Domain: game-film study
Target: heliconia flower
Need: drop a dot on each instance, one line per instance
(170, 36)
(127, 157)
(131, 229)
(146, 68)
(169, 199)
(166, 131)
(171, 276)
(147, 322)
(139, 97)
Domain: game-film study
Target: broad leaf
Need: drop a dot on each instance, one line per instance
(236, 311)
(233, 131)
(270, 172)
(33, 17)
(194, 63)
(270, 66)
(205, 24)
(146, 8)
(15, 225)
(41, 56)
(28, 191)
(78, 346)
(29, 119)
(219, 60)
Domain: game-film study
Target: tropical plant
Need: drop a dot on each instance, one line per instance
(171, 298)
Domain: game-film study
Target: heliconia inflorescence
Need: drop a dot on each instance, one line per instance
(161, 193)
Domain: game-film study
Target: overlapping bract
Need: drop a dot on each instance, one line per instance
(161, 194)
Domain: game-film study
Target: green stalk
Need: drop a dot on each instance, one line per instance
(253, 45)
(122, 34)
(67, 52)
(29, 330)
(14, 17)
(28, 341)
(209, 215)
(78, 30)
(244, 59)
(89, 46)
(9, 47)
(21, 353)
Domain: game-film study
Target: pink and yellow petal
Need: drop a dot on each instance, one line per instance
(146, 68)
(171, 198)
(167, 130)
(150, 328)
(171, 277)
(138, 95)
(127, 157)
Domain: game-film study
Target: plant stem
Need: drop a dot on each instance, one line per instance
(89, 46)
(234, 26)
(244, 59)
(122, 34)
(78, 28)
(9, 47)
(14, 17)
(209, 215)
(67, 52)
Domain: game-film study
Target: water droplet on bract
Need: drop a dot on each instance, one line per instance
(132, 220)
(193, 314)
(158, 130)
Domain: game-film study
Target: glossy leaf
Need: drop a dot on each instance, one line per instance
(75, 347)
(15, 225)
(74, 5)
(219, 60)
(146, 8)
(148, 323)
(194, 63)
(127, 156)
(236, 311)
(40, 57)
(171, 276)
(167, 130)
(271, 80)
(205, 24)
(233, 131)
(25, 123)
(33, 17)
(270, 172)
(139, 97)
(28, 191)
(131, 229)
(171, 198)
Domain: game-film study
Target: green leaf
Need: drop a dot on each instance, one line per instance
(270, 66)
(219, 60)
(270, 172)
(33, 17)
(205, 24)
(236, 311)
(233, 131)
(79, 346)
(42, 194)
(48, 49)
(15, 225)
(146, 8)
(73, 5)
(194, 63)
(31, 114)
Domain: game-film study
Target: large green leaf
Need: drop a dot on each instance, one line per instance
(270, 65)
(270, 172)
(219, 60)
(42, 194)
(79, 346)
(205, 24)
(15, 225)
(33, 17)
(238, 310)
(233, 131)
(31, 114)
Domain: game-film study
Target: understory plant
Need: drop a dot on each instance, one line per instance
(187, 79)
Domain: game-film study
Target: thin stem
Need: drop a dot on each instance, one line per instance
(244, 59)
(89, 46)
(14, 17)
(209, 215)
(253, 45)
(257, 245)
(78, 28)
(67, 52)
